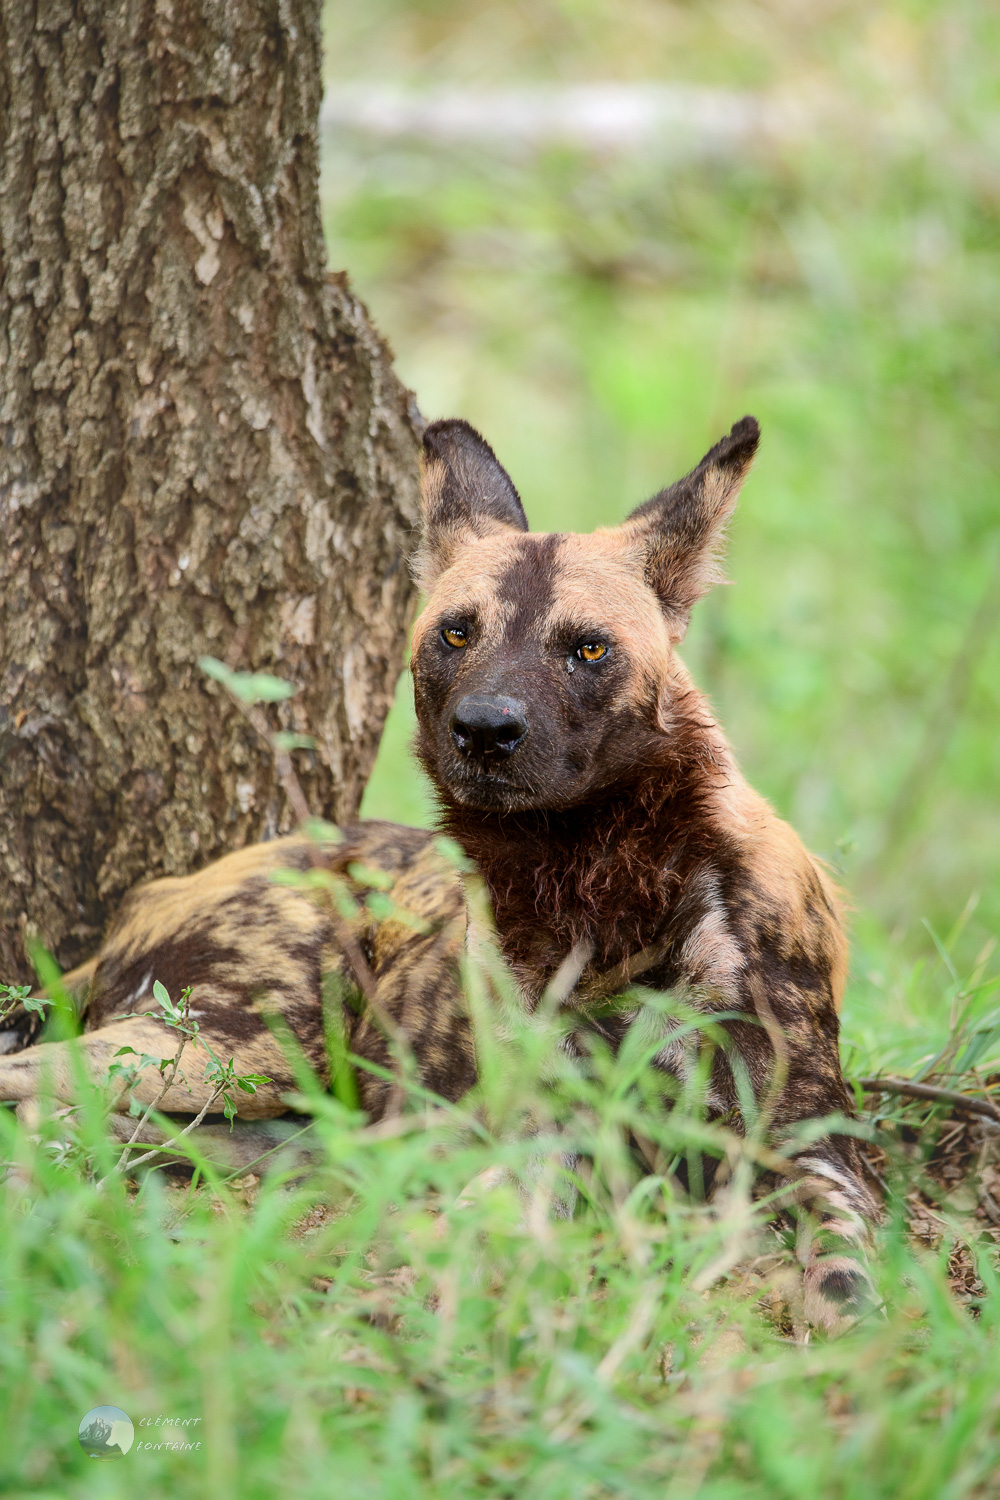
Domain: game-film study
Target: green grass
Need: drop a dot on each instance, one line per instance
(357, 1333)
(380, 1328)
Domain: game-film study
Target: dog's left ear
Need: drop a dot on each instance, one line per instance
(682, 529)
(467, 494)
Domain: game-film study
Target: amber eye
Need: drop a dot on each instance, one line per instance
(453, 635)
(592, 651)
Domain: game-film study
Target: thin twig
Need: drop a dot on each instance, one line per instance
(591, 990)
(168, 1145)
(366, 980)
(167, 1086)
(282, 759)
(249, 1166)
(986, 1092)
(343, 936)
(782, 1060)
(300, 807)
(910, 1088)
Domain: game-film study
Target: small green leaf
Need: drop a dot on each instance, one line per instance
(307, 880)
(217, 1072)
(284, 740)
(122, 1051)
(160, 993)
(250, 1082)
(380, 905)
(379, 880)
(249, 687)
(344, 902)
(38, 1006)
(213, 667)
(16, 992)
(453, 853)
(261, 687)
(322, 832)
(50, 979)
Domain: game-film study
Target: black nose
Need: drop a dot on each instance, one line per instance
(483, 725)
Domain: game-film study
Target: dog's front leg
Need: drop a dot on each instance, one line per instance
(793, 1060)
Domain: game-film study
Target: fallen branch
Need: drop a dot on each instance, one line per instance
(911, 1089)
(167, 1146)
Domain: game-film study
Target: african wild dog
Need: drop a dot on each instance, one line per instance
(581, 770)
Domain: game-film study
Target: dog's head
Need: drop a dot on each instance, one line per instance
(541, 662)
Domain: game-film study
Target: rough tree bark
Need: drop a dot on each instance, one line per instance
(204, 449)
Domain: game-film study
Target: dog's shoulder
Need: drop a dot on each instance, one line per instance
(771, 906)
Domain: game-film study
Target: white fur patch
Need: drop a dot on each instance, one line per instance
(711, 955)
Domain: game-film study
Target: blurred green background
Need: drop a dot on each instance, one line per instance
(604, 312)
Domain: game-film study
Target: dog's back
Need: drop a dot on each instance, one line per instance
(259, 937)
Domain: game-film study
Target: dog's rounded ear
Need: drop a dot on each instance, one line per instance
(682, 529)
(467, 493)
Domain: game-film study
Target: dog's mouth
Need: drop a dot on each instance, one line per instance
(489, 786)
(492, 783)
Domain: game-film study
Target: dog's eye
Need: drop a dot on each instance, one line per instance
(592, 651)
(455, 636)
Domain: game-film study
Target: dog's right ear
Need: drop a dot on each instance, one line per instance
(467, 493)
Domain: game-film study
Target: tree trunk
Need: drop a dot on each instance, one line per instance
(204, 451)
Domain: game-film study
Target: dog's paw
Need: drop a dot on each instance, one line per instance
(838, 1291)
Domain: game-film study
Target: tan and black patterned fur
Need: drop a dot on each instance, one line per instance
(599, 799)
(251, 948)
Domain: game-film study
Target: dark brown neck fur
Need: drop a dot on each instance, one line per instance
(607, 874)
